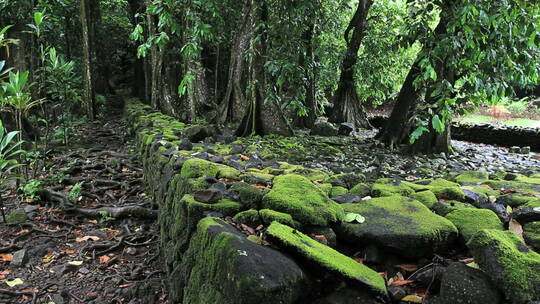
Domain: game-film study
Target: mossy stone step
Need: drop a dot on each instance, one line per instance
(323, 256)
(513, 267)
(399, 224)
(471, 220)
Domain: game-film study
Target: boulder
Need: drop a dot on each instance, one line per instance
(209, 196)
(509, 263)
(249, 196)
(322, 256)
(531, 234)
(390, 187)
(425, 197)
(346, 180)
(323, 127)
(462, 284)
(399, 224)
(529, 212)
(305, 202)
(471, 220)
(346, 128)
(223, 266)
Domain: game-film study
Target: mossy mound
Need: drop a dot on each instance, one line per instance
(443, 189)
(531, 234)
(195, 167)
(426, 197)
(509, 262)
(361, 190)
(305, 202)
(519, 187)
(471, 220)
(323, 256)
(249, 196)
(268, 216)
(388, 187)
(513, 200)
(442, 208)
(337, 191)
(399, 224)
(249, 217)
(223, 266)
(472, 178)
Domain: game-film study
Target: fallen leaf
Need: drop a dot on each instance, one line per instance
(318, 181)
(6, 257)
(243, 157)
(30, 290)
(507, 191)
(48, 258)
(104, 259)
(321, 238)
(516, 228)
(407, 267)
(259, 186)
(21, 232)
(412, 299)
(125, 285)
(359, 260)
(86, 238)
(70, 251)
(467, 260)
(473, 265)
(14, 282)
(400, 282)
(75, 263)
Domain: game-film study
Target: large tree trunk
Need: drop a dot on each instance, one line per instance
(347, 106)
(155, 63)
(234, 100)
(87, 58)
(261, 117)
(401, 123)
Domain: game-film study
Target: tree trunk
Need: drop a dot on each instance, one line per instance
(234, 97)
(262, 117)
(87, 60)
(401, 122)
(306, 61)
(347, 106)
(139, 81)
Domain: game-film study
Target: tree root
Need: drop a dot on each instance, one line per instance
(117, 212)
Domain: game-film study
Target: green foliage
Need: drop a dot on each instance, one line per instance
(31, 188)
(9, 153)
(75, 194)
(105, 217)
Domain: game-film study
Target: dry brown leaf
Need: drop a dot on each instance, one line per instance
(516, 228)
(86, 238)
(70, 251)
(21, 232)
(407, 267)
(243, 157)
(6, 257)
(259, 186)
(104, 259)
(125, 285)
(31, 289)
(467, 260)
(400, 282)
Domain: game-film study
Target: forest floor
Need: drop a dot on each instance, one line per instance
(92, 253)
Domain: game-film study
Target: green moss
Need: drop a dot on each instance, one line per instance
(472, 177)
(196, 167)
(299, 197)
(450, 193)
(337, 191)
(530, 180)
(471, 220)
(483, 189)
(445, 207)
(268, 216)
(361, 190)
(514, 201)
(387, 187)
(326, 188)
(254, 174)
(385, 222)
(427, 198)
(326, 257)
(509, 262)
(249, 217)
(249, 195)
(311, 174)
(222, 149)
(531, 233)
(519, 187)
(227, 172)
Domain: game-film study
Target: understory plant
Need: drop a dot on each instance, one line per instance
(30, 189)
(9, 152)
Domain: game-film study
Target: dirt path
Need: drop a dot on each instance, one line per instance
(96, 246)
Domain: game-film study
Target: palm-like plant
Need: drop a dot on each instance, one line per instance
(17, 98)
(9, 150)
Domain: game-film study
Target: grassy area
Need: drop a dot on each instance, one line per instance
(520, 122)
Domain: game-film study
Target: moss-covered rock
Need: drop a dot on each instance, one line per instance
(472, 178)
(513, 200)
(223, 266)
(466, 285)
(471, 220)
(529, 212)
(325, 187)
(325, 257)
(249, 196)
(425, 197)
(531, 234)
(196, 167)
(249, 217)
(304, 201)
(361, 190)
(399, 224)
(268, 216)
(227, 172)
(509, 262)
(520, 187)
(442, 208)
(337, 191)
(388, 187)
(346, 180)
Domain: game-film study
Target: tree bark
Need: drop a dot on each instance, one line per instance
(347, 106)
(87, 59)
(234, 98)
(139, 81)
